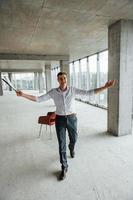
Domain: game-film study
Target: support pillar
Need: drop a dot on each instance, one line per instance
(48, 77)
(80, 76)
(35, 81)
(40, 82)
(97, 97)
(1, 89)
(10, 78)
(64, 67)
(120, 68)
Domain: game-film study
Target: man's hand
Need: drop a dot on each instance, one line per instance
(19, 93)
(27, 96)
(110, 83)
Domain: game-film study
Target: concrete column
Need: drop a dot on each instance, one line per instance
(88, 79)
(15, 81)
(40, 82)
(43, 74)
(1, 89)
(10, 78)
(97, 97)
(35, 81)
(120, 68)
(88, 75)
(80, 77)
(48, 77)
(74, 78)
(64, 67)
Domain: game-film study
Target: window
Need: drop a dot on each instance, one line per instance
(103, 65)
(93, 71)
(76, 68)
(90, 73)
(83, 64)
(71, 74)
(54, 73)
(93, 75)
(23, 81)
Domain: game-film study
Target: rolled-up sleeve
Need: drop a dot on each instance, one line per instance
(84, 92)
(43, 97)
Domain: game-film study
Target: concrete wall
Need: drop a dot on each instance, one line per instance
(120, 68)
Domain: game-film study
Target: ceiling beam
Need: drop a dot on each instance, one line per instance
(20, 70)
(8, 56)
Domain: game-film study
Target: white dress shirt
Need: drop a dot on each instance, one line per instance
(64, 100)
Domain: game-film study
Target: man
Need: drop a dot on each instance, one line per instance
(63, 97)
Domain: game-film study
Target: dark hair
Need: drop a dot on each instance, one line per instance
(61, 73)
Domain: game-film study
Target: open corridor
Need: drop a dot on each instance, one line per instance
(101, 170)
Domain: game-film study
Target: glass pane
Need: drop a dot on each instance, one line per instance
(103, 62)
(93, 71)
(93, 76)
(71, 74)
(23, 81)
(54, 73)
(83, 63)
(76, 68)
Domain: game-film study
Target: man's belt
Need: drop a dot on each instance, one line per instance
(73, 114)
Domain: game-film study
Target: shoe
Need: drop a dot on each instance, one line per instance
(72, 152)
(62, 175)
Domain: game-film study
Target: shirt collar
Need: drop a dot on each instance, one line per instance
(62, 90)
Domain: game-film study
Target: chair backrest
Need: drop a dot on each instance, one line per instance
(48, 119)
(50, 113)
(52, 117)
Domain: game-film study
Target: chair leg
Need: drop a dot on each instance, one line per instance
(40, 131)
(50, 133)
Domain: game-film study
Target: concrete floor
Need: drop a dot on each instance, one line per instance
(101, 170)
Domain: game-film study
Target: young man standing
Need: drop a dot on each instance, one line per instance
(64, 97)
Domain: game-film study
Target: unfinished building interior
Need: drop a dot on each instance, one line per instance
(92, 41)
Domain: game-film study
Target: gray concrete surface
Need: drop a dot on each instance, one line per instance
(101, 170)
(59, 27)
(120, 101)
(1, 89)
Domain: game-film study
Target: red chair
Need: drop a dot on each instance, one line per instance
(49, 120)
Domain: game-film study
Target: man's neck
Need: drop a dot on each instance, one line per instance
(63, 88)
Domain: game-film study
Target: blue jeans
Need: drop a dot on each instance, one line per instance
(63, 123)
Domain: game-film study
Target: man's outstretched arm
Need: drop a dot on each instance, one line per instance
(109, 84)
(27, 96)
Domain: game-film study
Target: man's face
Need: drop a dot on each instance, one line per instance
(62, 79)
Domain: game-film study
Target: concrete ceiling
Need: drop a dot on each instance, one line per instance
(59, 27)
(26, 65)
